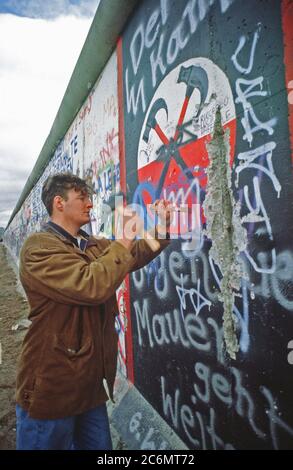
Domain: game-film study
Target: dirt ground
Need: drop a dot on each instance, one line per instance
(12, 308)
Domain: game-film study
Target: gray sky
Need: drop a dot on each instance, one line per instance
(40, 42)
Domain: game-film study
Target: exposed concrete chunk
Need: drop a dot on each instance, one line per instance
(223, 227)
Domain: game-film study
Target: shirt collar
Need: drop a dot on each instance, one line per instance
(61, 231)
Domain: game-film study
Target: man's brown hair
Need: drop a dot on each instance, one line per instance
(58, 185)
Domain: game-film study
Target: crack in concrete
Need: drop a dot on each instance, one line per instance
(223, 228)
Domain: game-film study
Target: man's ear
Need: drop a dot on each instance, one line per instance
(58, 202)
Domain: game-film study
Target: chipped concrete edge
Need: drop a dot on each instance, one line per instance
(137, 423)
(224, 228)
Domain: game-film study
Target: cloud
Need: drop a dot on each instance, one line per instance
(50, 9)
(37, 58)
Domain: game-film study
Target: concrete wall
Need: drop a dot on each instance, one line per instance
(176, 62)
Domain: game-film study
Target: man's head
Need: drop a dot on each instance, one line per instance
(67, 199)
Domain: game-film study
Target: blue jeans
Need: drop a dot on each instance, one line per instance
(88, 431)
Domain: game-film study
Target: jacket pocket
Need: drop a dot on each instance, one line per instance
(59, 344)
(27, 395)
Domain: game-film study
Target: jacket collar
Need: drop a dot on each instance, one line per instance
(66, 236)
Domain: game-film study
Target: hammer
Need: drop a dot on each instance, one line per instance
(121, 211)
(152, 122)
(193, 77)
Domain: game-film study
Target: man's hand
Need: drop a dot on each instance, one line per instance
(165, 211)
(128, 224)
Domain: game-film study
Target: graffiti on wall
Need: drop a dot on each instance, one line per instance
(101, 154)
(186, 65)
(33, 213)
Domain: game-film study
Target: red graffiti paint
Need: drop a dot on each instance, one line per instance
(172, 154)
(287, 22)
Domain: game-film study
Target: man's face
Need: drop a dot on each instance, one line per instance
(76, 208)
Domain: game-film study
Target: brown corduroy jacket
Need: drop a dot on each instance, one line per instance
(71, 344)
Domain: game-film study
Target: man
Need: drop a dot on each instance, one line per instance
(70, 280)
